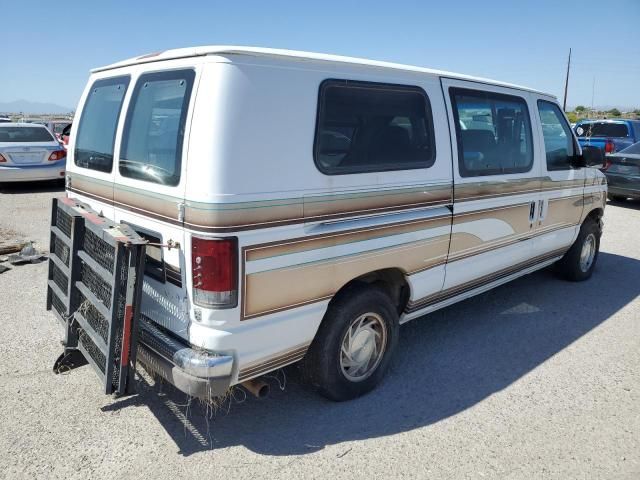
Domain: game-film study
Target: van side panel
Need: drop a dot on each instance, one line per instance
(302, 234)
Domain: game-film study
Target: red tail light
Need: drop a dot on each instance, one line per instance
(2, 159)
(57, 155)
(214, 264)
(609, 147)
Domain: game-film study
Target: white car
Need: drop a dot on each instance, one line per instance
(29, 152)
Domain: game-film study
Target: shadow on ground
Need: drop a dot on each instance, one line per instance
(446, 363)
(32, 187)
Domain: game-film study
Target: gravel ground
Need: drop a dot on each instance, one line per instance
(536, 379)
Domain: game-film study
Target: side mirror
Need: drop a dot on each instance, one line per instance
(592, 156)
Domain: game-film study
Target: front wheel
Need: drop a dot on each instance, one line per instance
(579, 262)
(354, 344)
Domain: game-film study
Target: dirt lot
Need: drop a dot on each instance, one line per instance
(539, 378)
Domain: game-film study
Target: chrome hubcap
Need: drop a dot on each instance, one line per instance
(588, 252)
(363, 347)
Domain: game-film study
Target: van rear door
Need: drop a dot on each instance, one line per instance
(90, 165)
(149, 187)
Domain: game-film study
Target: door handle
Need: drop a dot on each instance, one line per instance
(532, 211)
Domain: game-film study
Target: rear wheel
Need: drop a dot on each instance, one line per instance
(616, 198)
(579, 262)
(354, 344)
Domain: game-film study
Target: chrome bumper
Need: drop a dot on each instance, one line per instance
(195, 372)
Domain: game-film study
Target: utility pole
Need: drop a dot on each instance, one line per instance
(566, 83)
(593, 93)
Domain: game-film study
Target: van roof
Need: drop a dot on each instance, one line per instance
(296, 55)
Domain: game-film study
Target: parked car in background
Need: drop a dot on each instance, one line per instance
(30, 152)
(57, 127)
(609, 135)
(623, 173)
(5, 120)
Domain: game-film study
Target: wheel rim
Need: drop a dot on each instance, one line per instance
(363, 347)
(588, 252)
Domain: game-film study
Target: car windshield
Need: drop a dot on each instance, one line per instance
(602, 129)
(633, 149)
(25, 134)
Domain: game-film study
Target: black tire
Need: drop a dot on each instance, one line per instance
(616, 198)
(570, 266)
(322, 365)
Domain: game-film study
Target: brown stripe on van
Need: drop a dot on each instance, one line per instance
(302, 244)
(516, 216)
(492, 189)
(87, 186)
(479, 282)
(165, 207)
(271, 213)
(322, 206)
(289, 287)
(564, 210)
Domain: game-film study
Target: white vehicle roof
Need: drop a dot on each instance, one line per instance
(295, 55)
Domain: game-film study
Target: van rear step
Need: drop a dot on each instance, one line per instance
(94, 286)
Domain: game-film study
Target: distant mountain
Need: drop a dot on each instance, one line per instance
(26, 106)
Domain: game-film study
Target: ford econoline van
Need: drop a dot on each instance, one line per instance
(300, 207)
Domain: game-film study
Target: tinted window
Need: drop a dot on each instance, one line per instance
(493, 131)
(558, 140)
(97, 130)
(602, 129)
(370, 127)
(154, 128)
(25, 134)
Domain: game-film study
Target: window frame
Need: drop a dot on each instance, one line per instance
(574, 148)
(462, 170)
(331, 82)
(186, 103)
(106, 81)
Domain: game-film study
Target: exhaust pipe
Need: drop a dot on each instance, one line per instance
(257, 387)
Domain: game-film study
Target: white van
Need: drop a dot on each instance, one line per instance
(300, 206)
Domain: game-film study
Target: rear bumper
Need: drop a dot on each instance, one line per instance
(197, 373)
(28, 173)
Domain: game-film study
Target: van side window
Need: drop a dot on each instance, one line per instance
(493, 132)
(154, 128)
(558, 140)
(372, 127)
(98, 122)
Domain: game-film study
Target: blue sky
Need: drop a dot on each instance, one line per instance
(49, 46)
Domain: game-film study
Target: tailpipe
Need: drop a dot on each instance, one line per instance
(258, 388)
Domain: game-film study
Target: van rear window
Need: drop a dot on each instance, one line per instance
(602, 129)
(98, 122)
(372, 127)
(154, 128)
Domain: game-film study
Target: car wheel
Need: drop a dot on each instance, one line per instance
(354, 344)
(616, 198)
(579, 262)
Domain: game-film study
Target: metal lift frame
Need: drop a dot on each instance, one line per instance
(100, 264)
